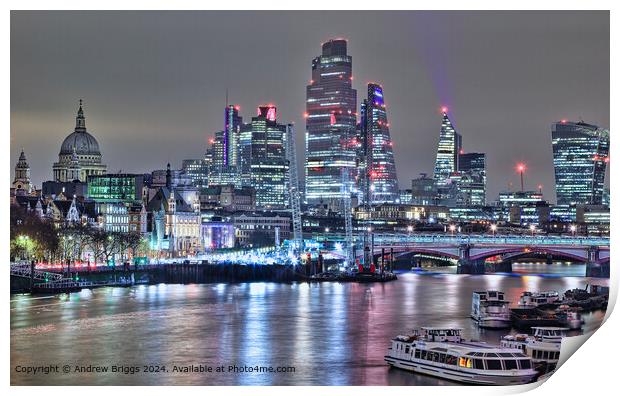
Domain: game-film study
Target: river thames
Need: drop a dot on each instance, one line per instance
(331, 333)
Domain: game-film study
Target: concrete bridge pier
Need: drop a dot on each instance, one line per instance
(466, 265)
(594, 267)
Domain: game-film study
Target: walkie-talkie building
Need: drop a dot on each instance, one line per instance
(330, 125)
(580, 156)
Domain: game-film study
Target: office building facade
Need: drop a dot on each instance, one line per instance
(580, 157)
(330, 116)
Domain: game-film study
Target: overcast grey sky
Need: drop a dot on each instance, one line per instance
(154, 83)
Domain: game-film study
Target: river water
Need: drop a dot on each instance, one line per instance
(331, 333)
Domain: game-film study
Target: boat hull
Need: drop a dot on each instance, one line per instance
(507, 378)
(493, 322)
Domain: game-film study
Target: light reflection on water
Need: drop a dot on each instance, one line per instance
(332, 333)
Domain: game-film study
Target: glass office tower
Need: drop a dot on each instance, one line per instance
(330, 125)
(473, 185)
(580, 156)
(377, 148)
(262, 155)
(447, 161)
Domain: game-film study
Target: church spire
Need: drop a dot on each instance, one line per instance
(80, 121)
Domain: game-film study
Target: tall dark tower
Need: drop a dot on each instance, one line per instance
(330, 125)
(377, 149)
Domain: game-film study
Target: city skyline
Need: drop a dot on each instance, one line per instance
(137, 135)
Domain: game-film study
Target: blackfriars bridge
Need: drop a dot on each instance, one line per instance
(472, 251)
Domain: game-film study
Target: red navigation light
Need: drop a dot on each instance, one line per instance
(332, 119)
(563, 121)
(305, 115)
(462, 151)
(444, 109)
(237, 107)
(211, 140)
(521, 167)
(351, 78)
(271, 113)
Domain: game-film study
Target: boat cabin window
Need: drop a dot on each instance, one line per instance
(407, 349)
(423, 354)
(494, 364)
(417, 353)
(465, 362)
(479, 364)
(450, 359)
(510, 364)
(525, 364)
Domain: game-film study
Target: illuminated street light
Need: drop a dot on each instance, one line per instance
(493, 229)
(409, 229)
(452, 228)
(573, 228)
(532, 228)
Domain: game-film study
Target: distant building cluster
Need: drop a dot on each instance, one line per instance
(242, 193)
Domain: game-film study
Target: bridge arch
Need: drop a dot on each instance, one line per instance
(517, 252)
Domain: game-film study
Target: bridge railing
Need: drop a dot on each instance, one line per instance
(459, 239)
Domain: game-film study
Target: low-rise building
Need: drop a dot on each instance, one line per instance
(261, 228)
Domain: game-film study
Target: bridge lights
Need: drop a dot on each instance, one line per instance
(573, 228)
(452, 228)
(532, 228)
(409, 229)
(493, 229)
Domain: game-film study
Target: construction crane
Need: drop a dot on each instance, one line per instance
(348, 225)
(293, 191)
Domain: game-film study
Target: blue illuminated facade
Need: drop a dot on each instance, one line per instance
(580, 156)
(377, 149)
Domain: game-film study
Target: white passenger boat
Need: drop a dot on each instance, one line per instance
(490, 309)
(539, 299)
(441, 352)
(543, 347)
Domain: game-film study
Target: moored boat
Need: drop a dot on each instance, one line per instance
(543, 347)
(490, 309)
(441, 352)
(539, 299)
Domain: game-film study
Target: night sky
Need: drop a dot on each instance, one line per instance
(154, 83)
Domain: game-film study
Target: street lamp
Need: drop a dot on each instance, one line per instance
(452, 228)
(409, 229)
(532, 228)
(493, 229)
(573, 228)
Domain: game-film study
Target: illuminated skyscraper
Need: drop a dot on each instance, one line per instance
(262, 159)
(473, 183)
(377, 148)
(225, 150)
(448, 151)
(580, 156)
(330, 125)
(232, 129)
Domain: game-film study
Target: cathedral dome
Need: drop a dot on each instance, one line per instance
(83, 142)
